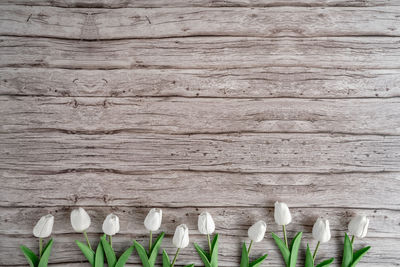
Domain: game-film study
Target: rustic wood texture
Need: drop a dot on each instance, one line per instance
(226, 106)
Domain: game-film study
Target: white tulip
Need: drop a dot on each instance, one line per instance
(44, 226)
(358, 226)
(111, 224)
(256, 232)
(80, 220)
(206, 223)
(181, 236)
(321, 231)
(282, 214)
(153, 220)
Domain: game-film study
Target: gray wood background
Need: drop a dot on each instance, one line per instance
(226, 106)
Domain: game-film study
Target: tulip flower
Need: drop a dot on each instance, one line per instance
(152, 222)
(180, 240)
(206, 226)
(282, 217)
(111, 226)
(358, 226)
(256, 233)
(42, 229)
(80, 222)
(44, 226)
(321, 232)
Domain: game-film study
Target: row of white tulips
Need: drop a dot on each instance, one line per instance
(80, 221)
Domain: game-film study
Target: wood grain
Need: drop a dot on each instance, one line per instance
(203, 52)
(268, 82)
(199, 3)
(179, 189)
(100, 24)
(97, 115)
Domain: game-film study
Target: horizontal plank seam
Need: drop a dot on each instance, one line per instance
(177, 96)
(215, 6)
(102, 170)
(118, 131)
(383, 35)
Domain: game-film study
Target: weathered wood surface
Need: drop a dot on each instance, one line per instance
(223, 106)
(203, 52)
(107, 187)
(267, 82)
(160, 23)
(200, 3)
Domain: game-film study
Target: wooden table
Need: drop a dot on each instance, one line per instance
(226, 106)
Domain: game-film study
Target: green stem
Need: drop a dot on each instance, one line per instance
(315, 251)
(284, 235)
(352, 240)
(40, 246)
(150, 241)
(248, 251)
(176, 256)
(110, 238)
(87, 239)
(209, 243)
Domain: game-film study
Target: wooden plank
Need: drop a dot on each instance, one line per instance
(268, 82)
(98, 115)
(53, 150)
(203, 52)
(94, 24)
(231, 224)
(199, 3)
(107, 187)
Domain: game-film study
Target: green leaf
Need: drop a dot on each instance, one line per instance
(30, 256)
(326, 262)
(309, 258)
(87, 252)
(358, 255)
(110, 254)
(154, 250)
(165, 259)
(44, 259)
(244, 262)
(347, 252)
(202, 256)
(282, 247)
(124, 257)
(99, 257)
(294, 251)
(258, 261)
(214, 252)
(205, 253)
(142, 254)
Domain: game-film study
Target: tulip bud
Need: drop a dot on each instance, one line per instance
(153, 220)
(321, 230)
(206, 223)
(257, 231)
(358, 226)
(111, 224)
(282, 214)
(181, 236)
(44, 226)
(80, 220)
